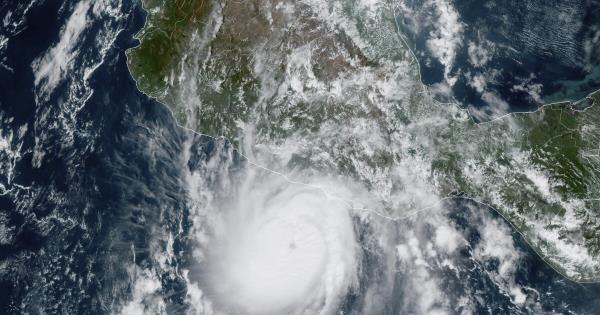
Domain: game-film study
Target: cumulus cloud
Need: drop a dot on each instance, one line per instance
(534, 90)
(446, 37)
(52, 66)
(478, 82)
(496, 106)
(496, 244)
(447, 238)
(479, 54)
(423, 294)
(145, 297)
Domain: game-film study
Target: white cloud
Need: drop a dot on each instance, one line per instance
(145, 294)
(422, 291)
(496, 106)
(479, 55)
(447, 238)
(51, 68)
(534, 90)
(497, 244)
(446, 38)
(274, 246)
(478, 82)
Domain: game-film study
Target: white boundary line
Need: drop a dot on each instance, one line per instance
(349, 203)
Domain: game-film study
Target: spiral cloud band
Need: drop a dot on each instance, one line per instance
(284, 247)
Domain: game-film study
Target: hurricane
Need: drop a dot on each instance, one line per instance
(282, 247)
(299, 157)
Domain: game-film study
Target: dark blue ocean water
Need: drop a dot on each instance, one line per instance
(527, 52)
(108, 187)
(72, 223)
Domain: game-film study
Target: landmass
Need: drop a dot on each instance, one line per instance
(329, 87)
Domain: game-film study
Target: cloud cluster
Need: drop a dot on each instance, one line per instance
(445, 39)
(283, 247)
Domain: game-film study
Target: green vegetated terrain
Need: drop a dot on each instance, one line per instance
(347, 93)
(164, 40)
(172, 62)
(540, 170)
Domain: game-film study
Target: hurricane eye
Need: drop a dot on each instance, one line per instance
(292, 249)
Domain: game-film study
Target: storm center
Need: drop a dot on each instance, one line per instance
(283, 251)
(278, 264)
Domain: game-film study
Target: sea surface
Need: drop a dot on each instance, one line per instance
(503, 56)
(91, 181)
